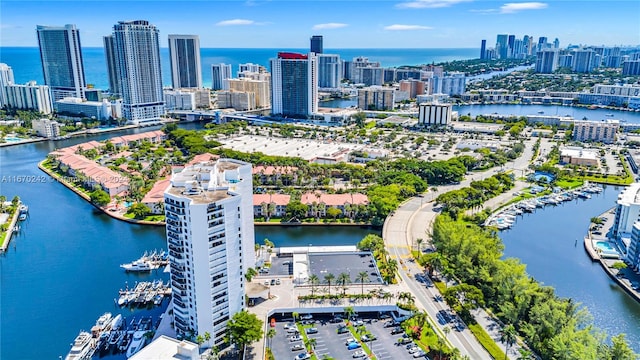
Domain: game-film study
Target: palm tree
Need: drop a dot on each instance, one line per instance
(509, 336)
(349, 311)
(344, 279)
(419, 241)
(295, 316)
(270, 334)
(310, 343)
(329, 278)
(406, 296)
(313, 281)
(362, 277)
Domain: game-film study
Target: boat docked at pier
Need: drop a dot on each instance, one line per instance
(82, 348)
(137, 342)
(147, 262)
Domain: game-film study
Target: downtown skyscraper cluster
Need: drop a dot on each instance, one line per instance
(509, 47)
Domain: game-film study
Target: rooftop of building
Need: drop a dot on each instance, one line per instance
(578, 152)
(630, 195)
(198, 195)
(165, 348)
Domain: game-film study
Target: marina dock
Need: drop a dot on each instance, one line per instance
(144, 294)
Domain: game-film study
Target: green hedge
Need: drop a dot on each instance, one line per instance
(486, 341)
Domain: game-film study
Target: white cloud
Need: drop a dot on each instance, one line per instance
(235, 22)
(511, 8)
(329, 26)
(399, 27)
(422, 4)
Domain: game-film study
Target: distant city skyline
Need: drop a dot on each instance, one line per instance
(343, 24)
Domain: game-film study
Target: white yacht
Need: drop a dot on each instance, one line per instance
(82, 348)
(137, 343)
(139, 265)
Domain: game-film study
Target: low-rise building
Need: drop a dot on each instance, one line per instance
(99, 110)
(154, 137)
(270, 175)
(599, 131)
(578, 156)
(318, 203)
(239, 100)
(275, 205)
(154, 199)
(46, 128)
(179, 100)
(479, 144)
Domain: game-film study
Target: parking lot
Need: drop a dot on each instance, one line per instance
(385, 346)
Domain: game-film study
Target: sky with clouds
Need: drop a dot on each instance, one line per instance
(344, 24)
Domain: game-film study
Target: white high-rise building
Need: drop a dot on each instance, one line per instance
(210, 235)
(249, 67)
(30, 97)
(294, 84)
(453, 83)
(627, 211)
(6, 79)
(137, 50)
(62, 65)
(184, 55)
(328, 71)
(220, 73)
(633, 250)
(46, 128)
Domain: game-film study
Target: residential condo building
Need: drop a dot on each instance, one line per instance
(598, 131)
(61, 56)
(210, 236)
(220, 73)
(316, 44)
(111, 60)
(627, 211)
(6, 79)
(137, 49)
(328, 71)
(434, 115)
(294, 85)
(184, 56)
(30, 97)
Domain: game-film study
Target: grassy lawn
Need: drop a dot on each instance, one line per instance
(154, 218)
(2, 237)
(303, 333)
(357, 336)
(440, 286)
(487, 342)
(570, 183)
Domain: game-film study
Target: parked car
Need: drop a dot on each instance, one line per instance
(343, 329)
(419, 354)
(335, 320)
(297, 347)
(353, 346)
(295, 338)
(403, 341)
(349, 341)
(277, 281)
(307, 322)
(391, 323)
(397, 330)
(411, 345)
(358, 322)
(312, 330)
(273, 282)
(368, 337)
(413, 350)
(290, 326)
(302, 356)
(306, 317)
(359, 354)
(292, 330)
(384, 316)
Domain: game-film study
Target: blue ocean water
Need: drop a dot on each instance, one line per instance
(26, 64)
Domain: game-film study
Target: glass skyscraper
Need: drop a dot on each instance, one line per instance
(294, 85)
(137, 52)
(62, 64)
(184, 55)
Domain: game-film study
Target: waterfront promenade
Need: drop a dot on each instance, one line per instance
(11, 228)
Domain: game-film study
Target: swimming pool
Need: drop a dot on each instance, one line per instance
(606, 248)
(13, 139)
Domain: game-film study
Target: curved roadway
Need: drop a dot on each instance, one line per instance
(413, 220)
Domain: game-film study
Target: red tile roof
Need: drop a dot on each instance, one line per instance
(278, 199)
(157, 192)
(334, 199)
(202, 158)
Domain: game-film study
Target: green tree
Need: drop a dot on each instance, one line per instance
(620, 350)
(244, 328)
(329, 278)
(251, 272)
(349, 311)
(139, 210)
(296, 210)
(310, 343)
(362, 277)
(270, 334)
(343, 279)
(509, 336)
(100, 197)
(313, 281)
(334, 212)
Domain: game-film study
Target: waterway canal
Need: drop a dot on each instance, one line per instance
(549, 242)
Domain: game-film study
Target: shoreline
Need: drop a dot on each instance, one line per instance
(75, 134)
(9, 233)
(588, 246)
